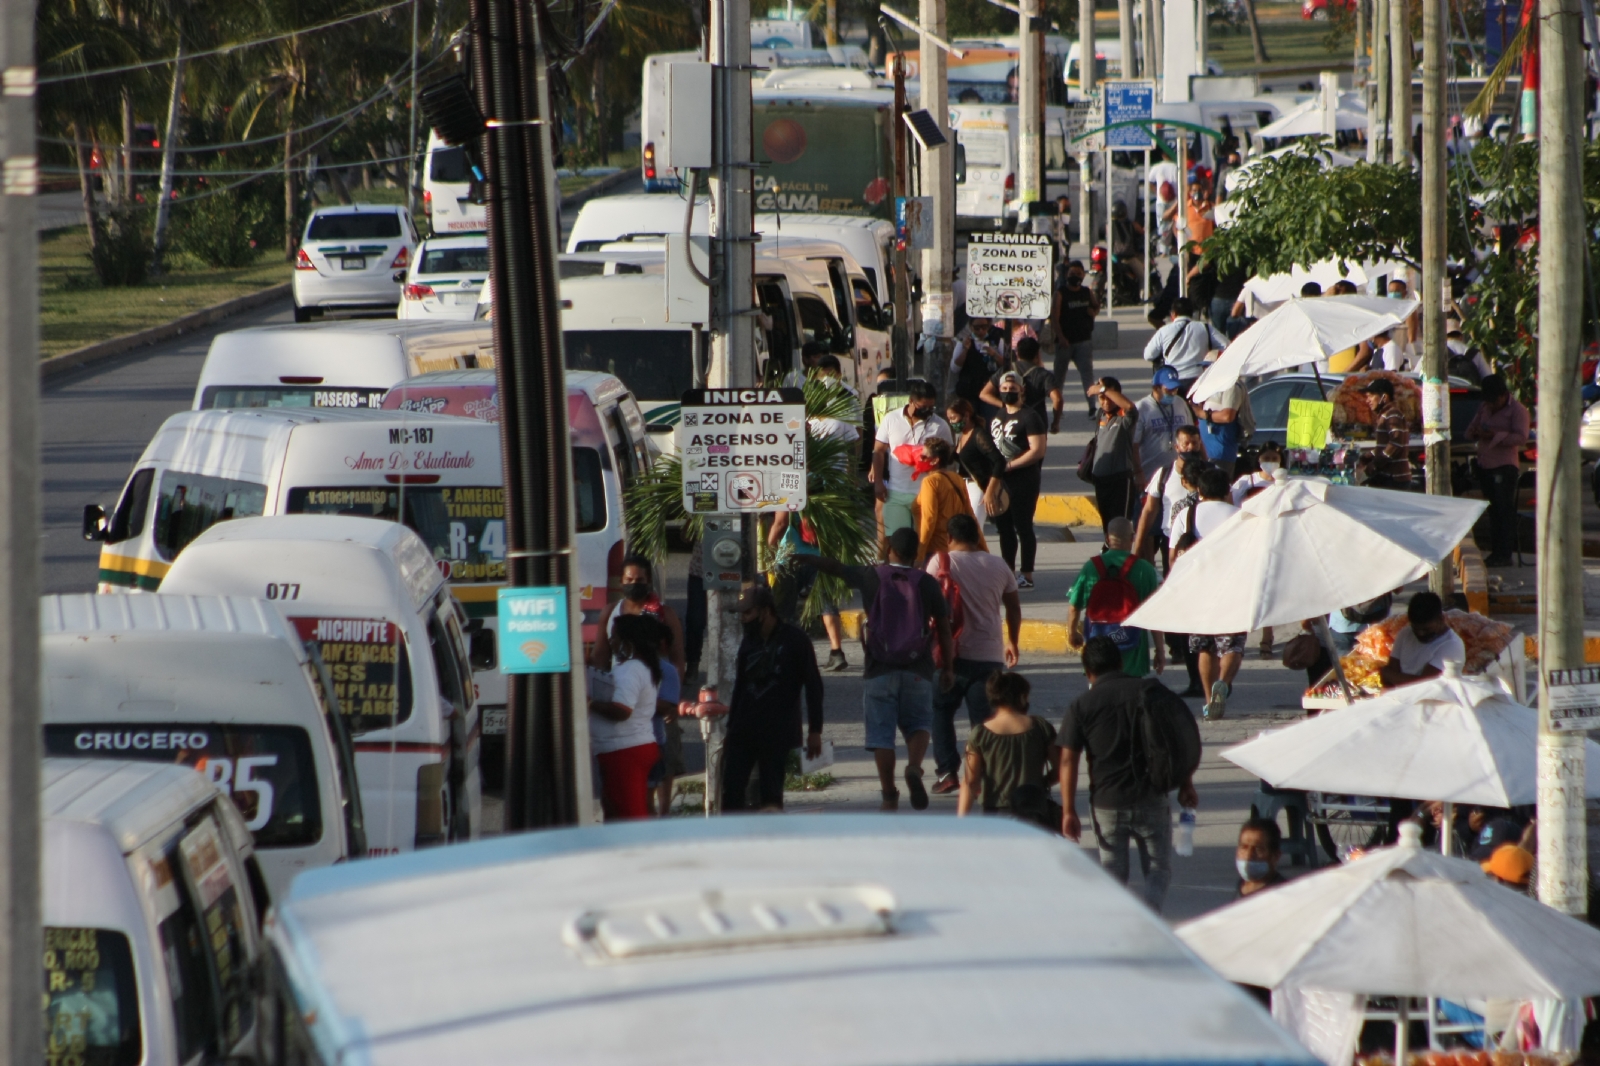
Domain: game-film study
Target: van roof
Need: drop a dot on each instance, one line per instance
(133, 801)
(595, 384)
(701, 933)
(145, 615)
(372, 354)
(617, 301)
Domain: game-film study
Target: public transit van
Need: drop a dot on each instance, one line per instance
(331, 364)
(218, 683)
(452, 193)
(607, 944)
(367, 594)
(870, 241)
(152, 903)
(822, 272)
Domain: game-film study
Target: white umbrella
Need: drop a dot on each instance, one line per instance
(1301, 331)
(1303, 548)
(1239, 175)
(1453, 738)
(1276, 288)
(1401, 921)
(1306, 121)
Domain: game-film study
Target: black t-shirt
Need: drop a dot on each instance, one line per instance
(1230, 285)
(1010, 432)
(1075, 320)
(1100, 725)
(1036, 385)
(977, 459)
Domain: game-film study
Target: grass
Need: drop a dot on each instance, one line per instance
(1289, 39)
(74, 310)
(627, 158)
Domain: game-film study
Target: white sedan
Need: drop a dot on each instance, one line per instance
(348, 257)
(445, 277)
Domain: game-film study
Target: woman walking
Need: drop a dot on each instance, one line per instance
(620, 730)
(1116, 469)
(977, 459)
(1019, 435)
(1011, 757)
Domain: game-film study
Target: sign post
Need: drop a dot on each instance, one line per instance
(534, 628)
(1124, 101)
(1009, 275)
(744, 450)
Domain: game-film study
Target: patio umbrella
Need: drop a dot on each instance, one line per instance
(1301, 331)
(1303, 548)
(1400, 921)
(1453, 738)
(1306, 121)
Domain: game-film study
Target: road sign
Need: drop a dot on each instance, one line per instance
(1009, 275)
(1126, 101)
(744, 450)
(1574, 698)
(533, 630)
(1083, 116)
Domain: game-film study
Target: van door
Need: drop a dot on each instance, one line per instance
(873, 324)
(453, 673)
(783, 337)
(818, 326)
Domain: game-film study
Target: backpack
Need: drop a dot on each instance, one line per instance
(1166, 739)
(898, 635)
(1113, 599)
(958, 610)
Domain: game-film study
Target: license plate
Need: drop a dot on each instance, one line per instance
(463, 298)
(494, 721)
(353, 262)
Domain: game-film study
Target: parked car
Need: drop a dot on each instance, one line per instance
(348, 257)
(444, 278)
(1321, 10)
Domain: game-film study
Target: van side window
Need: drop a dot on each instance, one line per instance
(216, 894)
(588, 490)
(621, 447)
(447, 665)
(866, 304)
(961, 163)
(128, 519)
(189, 504)
(780, 338)
(194, 1004)
(817, 323)
(91, 1002)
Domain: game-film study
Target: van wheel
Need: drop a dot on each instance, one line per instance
(302, 314)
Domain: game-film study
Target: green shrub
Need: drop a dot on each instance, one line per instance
(223, 230)
(121, 251)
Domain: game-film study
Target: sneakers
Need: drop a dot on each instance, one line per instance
(836, 661)
(947, 784)
(919, 795)
(891, 800)
(1216, 707)
(1024, 582)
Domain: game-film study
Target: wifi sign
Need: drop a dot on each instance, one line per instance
(535, 628)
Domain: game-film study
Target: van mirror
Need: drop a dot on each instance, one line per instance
(482, 652)
(94, 522)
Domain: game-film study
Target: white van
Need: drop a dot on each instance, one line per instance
(367, 594)
(336, 364)
(217, 683)
(823, 274)
(452, 193)
(607, 219)
(152, 905)
(988, 162)
(870, 241)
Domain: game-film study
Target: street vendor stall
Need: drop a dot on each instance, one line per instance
(1494, 650)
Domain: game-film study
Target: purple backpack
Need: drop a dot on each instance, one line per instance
(897, 631)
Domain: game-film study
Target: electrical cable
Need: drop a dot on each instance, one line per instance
(241, 173)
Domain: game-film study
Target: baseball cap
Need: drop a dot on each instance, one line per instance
(1167, 378)
(1510, 863)
(1380, 386)
(1010, 376)
(1495, 834)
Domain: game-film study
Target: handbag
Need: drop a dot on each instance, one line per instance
(1301, 652)
(996, 498)
(1086, 464)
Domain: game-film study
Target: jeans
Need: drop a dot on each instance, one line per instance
(900, 699)
(1016, 525)
(694, 619)
(1114, 495)
(1148, 824)
(1499, 487)
(741, 755)
(1220, 310)
(970, 678)
(1081, 355)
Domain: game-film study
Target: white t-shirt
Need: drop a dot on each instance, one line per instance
(1413, 656)
(1389, 357)
(984, 581)
(1251, 481)
(1209, 514)
(896, 429)
(1170, 496)
(632, 687)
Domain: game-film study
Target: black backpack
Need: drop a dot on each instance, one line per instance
(1166, 738)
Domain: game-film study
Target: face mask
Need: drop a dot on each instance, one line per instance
(637, 591)
(1269, 468)
(1251, 869)
(1009, 397)
(753, 629)
(958, 426)
(921, 413)
(1074, 280)
(1397, 295)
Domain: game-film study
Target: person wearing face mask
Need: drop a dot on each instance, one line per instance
(1117, 469)
(1269, 462)
(1163, 493)
(1161, 414)
(894, 466)
(1074, 315)
(976, 355)
(1019, 434)
(620, 730)
(639, 597)
(1256, 856)
(977, 459)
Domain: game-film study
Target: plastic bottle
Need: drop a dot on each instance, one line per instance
(1183, 836)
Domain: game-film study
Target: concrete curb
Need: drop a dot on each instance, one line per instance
(1035, 635)
(94, 353)
(1062, 509)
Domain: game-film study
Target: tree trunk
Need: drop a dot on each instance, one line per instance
(1256, 43)
(169, 154)
(86, 186)
(341, 191)
(597, 101)
(127, 147)
(291, 239)
(831, 27)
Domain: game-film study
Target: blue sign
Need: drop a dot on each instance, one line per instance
(534, 631)
(1126, 101)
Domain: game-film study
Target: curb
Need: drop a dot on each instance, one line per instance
(1591, 648)
(107, 349)
(1062, 509)
(1035, 635)
(599, 188)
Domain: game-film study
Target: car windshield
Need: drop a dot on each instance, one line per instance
(232, 396)
(455, 260)
(350, 226)
(91, 1000)
(655, 364)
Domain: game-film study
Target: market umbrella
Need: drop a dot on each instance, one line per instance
(1302, 548)
(1304, 329)
(1453, 738)
(1400, 921)
(1306, 121)
(1277, 288)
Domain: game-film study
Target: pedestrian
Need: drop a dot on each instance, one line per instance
(974, 359)
(943, 496)
(983, 645)
(1183, 344)
(1126, 804)
(869, 407)
(1038, 384)
(1116, 470)
(1227, 308)
(1424, 646)
(1164, 492)
(1200, 214)
(1010, 755)
(1256, 856)
(906, 616)
(639, 597)
(1019, 434)
(1500, 428)
(668, 730)
(620, 733)
(1225, 422)
(775, 667)
(1388, 464)
(1161, 414)
(1108, 589)
(977, 459)
(1218, 657)
(1062, 228)
(897, 448)
(793, 585)
(1075, 309)
(1269, 460)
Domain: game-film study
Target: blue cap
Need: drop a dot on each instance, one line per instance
(1167, 378)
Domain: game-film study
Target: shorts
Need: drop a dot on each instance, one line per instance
(897, 512)
(669, 741)
(900, 699)
(1224, 644)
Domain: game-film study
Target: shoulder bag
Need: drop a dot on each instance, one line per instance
(1086, 464)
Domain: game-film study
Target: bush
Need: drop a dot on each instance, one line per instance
(121, 252)
(223, 230)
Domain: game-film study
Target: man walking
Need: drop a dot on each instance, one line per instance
(897, 448)
(1183, 344)
(906, 613)
(1501, 429)
(1107, 590)
(776, 664)
(1161, 414)
(1164, 491)
(1075, 310)
(1125, 803)
(988, 593)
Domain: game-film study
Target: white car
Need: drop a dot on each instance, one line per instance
(444, 279)
(348, 258)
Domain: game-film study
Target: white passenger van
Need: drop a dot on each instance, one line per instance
(367, 594)
(152, 907)
(452, 193)
(823, 274)
(218, 683)
(607, 219)
(608, 944)
(331, 364)
(870, 241)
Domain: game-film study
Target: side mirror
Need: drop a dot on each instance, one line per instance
(482, 652)
(94, 522)
(399, 277)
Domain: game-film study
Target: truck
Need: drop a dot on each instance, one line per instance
(824, 151)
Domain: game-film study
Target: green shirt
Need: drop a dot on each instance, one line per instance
(1145, 580)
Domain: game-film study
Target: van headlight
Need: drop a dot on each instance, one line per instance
(1591, 413)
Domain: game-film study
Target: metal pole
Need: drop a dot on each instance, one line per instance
(21, 945)
(1378, 110)
(1180, 221)
(1125, 35)
(1147, 38)
(938, 181)
(902, 274)
(1200, 41)
(411, 159)
(1030, 111)
(1400, 81)
(1358, 76)
(1435, 198)
(1111, 258)
(1563, 864)
(1144, 198)
(1086, 74)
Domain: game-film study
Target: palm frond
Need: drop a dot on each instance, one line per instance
(1479, 108)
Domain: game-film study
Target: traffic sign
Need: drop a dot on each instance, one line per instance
(534, 634)
(1084, 120)
(1009, 275)
(1574, 698)
(744, 450)
(1128, 101)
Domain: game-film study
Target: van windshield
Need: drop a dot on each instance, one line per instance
(216, 397)
(267, 769)
(464, 527)
(91, 1003)
(655, 364)
(350, 226)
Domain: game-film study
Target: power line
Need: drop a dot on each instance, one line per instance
(237, 173)
(54, 79)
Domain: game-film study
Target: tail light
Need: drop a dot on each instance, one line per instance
(1011, 183)
(1097, 257)
(427, 199)
(302, 261)
(416, 292)
(650, 160)
(430, 805)
(402, 260)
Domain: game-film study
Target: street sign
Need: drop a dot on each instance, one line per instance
(1009, 275)
(534, 630)
(1574, 698)
(1083, 116)
(1126, 101)
(744, 450)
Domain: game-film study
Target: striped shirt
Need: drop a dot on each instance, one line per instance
(1392, 434)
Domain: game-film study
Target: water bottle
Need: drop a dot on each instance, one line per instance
(1183, 836)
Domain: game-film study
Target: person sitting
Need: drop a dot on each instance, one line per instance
(1011, 758)
(1256, 856)
(1424, 646)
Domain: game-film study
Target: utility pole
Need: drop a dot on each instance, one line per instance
(1399, 81)
(1030, 109)
(938, 181)
(1086, 73)
(900, 339)
(1563, 862)
(411, 159)
(1201, 44)
(1125, 36)
(1357, 77)
(21, 939)
(1435, 358)
(1378, 108)
(1147, 39)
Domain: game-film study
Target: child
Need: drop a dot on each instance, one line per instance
(1012, 751)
